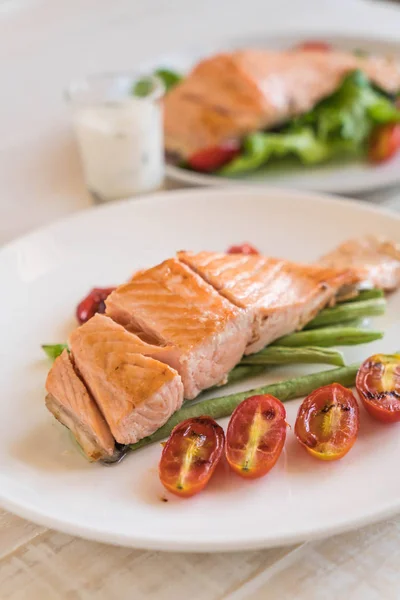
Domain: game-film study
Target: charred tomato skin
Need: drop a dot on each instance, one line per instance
(378, 385)
(191, 455)
(93, 303)
(255, 436)
(328, 421)
(244, 248)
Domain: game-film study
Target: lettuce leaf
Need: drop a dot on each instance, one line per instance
(339, 124)
(260, 148)
(350, 112)
(54, 350)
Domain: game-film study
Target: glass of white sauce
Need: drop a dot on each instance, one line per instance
(118, 123)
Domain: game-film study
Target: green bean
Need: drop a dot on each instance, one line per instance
(358, 323)
(367, 295)
(329, 336)
(243, 371)
(348, 311)
(283, 355)
(217, 408)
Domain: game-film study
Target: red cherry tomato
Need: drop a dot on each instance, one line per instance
(242, 249)
(314, 45)
(256, 435)
(378, 383)
(93, 303)
(327, 422)
(384, 143)
(190, 456)
(211, 159)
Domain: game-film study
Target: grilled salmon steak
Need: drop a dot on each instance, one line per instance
(135, 393)
(279, 296)
(230, 95)
(71, 404)
(175, 307)
(375, 261)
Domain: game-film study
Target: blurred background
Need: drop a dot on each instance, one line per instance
(44, 45)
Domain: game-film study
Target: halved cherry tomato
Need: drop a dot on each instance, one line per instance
(327, 422)
(210, 159)
(314, 45)
(93, 303)
(378, 383)
(242, 249)
(384, 142)
(255, 436)
(190, 456)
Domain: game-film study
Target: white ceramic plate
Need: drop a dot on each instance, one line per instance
(352, 177)
(42, 475)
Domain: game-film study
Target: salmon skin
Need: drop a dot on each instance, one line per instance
(135, 393)
(71, 404)
(203, 333)
(230, 95)
(279, 296)
(374, 260)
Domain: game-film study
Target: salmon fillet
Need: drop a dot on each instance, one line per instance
(174, 306)
(136, 394)
(374, 260)
(230, 95)
(71, 404)
(279, 296)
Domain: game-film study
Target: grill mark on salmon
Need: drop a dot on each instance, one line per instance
(205, 334)
(136, 393)
(279, 296)
(230, 95)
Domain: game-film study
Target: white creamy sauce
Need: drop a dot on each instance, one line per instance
(121, 147)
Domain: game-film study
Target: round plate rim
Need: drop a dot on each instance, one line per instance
(35, 515)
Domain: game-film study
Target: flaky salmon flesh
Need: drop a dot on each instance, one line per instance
(135, 393)
(374, 260)
(233, 94)
(178, 328)
(279, 296)
(71, 404)
(205, 334)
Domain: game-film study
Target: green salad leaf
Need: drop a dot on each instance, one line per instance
(339, 124)
(259, 148)
(143, 87)
(350, 112)
(54, 350)
(168, 77)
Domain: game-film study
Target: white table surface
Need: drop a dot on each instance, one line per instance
(44, 44)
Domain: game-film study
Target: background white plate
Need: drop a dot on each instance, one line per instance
(352, 177)
(44, 478)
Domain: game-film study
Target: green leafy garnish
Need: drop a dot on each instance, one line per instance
(351, 112)
(142, 87)
(338, 125)
(168, 77)
(54, 350)
(260, 148)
